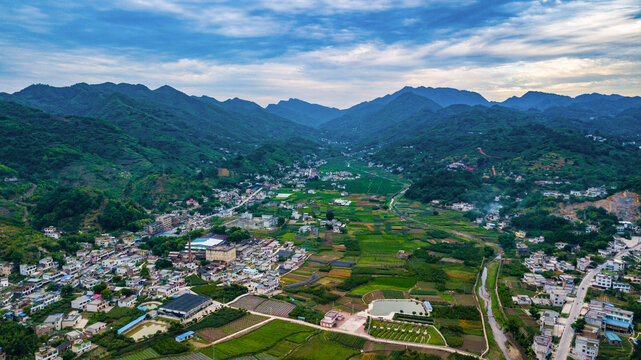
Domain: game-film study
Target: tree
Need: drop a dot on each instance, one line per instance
(164, 264)
(106, 294)
(578, 325)
(66, 291)
(329, 215)
(144, 272)
(507, 241)
(98, 288)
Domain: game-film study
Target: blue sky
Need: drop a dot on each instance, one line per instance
(334, 53)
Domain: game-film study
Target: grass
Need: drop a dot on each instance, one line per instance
(145, 354)
(320, 348)
(391, 283)
(259, 340)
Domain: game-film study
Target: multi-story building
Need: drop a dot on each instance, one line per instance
(557, 297)
(583, 263)
(615, 265)
(47, 353)
(541, 347)
(586, 348)
(223, 252)
(26, 269)
(603, 280)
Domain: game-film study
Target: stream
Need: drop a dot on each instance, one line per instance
(499, 336)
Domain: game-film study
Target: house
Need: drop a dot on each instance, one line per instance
(47, 353)
(613, 339)
(27, 270)
(586, 348)
(95, 305)
(80, 302)
(55, 320)
(621, 286)
(71, 319)
(603, 280)
(81, 346)
(558, 297)
(615, 265)
(95, 328)
(129, 301)
(330, 319)
(522, 300)
(186, 336)
(541, 346)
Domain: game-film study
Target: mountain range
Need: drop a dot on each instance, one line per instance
(150, 147)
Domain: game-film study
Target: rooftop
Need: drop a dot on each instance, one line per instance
(185, 303)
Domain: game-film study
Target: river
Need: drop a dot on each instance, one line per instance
(499, 336)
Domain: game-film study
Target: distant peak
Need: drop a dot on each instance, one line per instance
(166, 89)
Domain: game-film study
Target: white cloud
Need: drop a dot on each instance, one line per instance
(569, 48)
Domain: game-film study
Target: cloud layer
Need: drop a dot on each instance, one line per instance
(331, 52)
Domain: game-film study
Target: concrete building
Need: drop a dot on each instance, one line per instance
(586, 348)
(603, 280)
(557, 297)
(541, 347)
(223, 252)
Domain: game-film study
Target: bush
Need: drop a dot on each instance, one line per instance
(456, 312)
(168, 346)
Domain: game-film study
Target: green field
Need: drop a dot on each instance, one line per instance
(148, 353)
(280, 339)
(320, 348)
(259, 340)
(392, 283)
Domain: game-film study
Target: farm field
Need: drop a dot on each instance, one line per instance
(212, 334)
(380, 283)
(146, 354)
(392, 330)
(279, 339)
(259, 340)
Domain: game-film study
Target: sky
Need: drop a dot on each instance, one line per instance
(336, 53)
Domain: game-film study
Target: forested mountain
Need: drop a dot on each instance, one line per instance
(585, 105)
(356, 127)
(490, 145)
(166, 113)
(303, 112)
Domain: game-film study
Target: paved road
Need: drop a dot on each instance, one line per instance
(239, 205)
(568, 332)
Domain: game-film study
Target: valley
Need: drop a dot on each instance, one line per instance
(424, 224)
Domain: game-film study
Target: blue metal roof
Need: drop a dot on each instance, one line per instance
(131, 324)
(428, 306)
(184, 336)
(617, 323)
(612, 336)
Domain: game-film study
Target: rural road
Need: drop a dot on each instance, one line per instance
(365, 336)
(568, 332)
